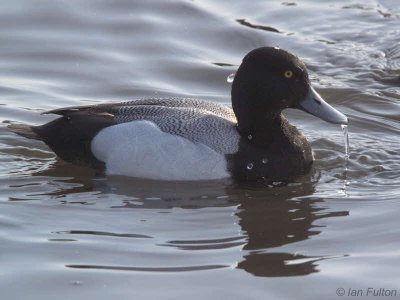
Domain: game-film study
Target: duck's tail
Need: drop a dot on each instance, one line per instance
(69, 141)
(24, 130)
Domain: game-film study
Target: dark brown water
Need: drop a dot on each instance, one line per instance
(69, 234)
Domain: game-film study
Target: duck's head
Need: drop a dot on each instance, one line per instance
(271, 79)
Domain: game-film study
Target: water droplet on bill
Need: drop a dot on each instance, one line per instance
(230, 78)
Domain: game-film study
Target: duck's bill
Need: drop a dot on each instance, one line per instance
(315, 105)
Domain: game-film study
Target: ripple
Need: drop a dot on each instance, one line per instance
(103, 233)
(262, 27)
(223, 243)
(149, 269)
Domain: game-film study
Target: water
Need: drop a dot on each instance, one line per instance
(345, 130)
(69, 233)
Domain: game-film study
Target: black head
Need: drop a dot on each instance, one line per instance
(268, 80)
(272, 79)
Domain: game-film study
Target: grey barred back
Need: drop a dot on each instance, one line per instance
(189, 118)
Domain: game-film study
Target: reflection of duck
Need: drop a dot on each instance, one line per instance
(273, 218)
(188, 139)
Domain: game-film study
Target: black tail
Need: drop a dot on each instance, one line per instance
(70, 142)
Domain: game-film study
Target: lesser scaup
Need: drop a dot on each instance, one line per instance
(188, 139)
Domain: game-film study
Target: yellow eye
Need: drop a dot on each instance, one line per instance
(288, 74)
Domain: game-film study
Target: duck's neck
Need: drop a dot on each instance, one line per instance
(268, 133)
(260, 128)
(260, 124)
(253, 114)
(273, 134)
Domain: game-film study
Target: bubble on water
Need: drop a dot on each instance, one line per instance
(249, 166)
(265, 160)
(231, 77)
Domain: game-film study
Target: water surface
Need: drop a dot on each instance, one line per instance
(69, 233)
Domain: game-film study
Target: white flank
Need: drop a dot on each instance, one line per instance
(140, 149)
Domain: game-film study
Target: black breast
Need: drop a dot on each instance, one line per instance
(271, 157)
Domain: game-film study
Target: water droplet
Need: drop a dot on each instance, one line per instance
(250, 137)
(346, 141)
(231, 77)
(250, 166)
(265, 160)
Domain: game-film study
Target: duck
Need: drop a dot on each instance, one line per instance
(185, 139)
